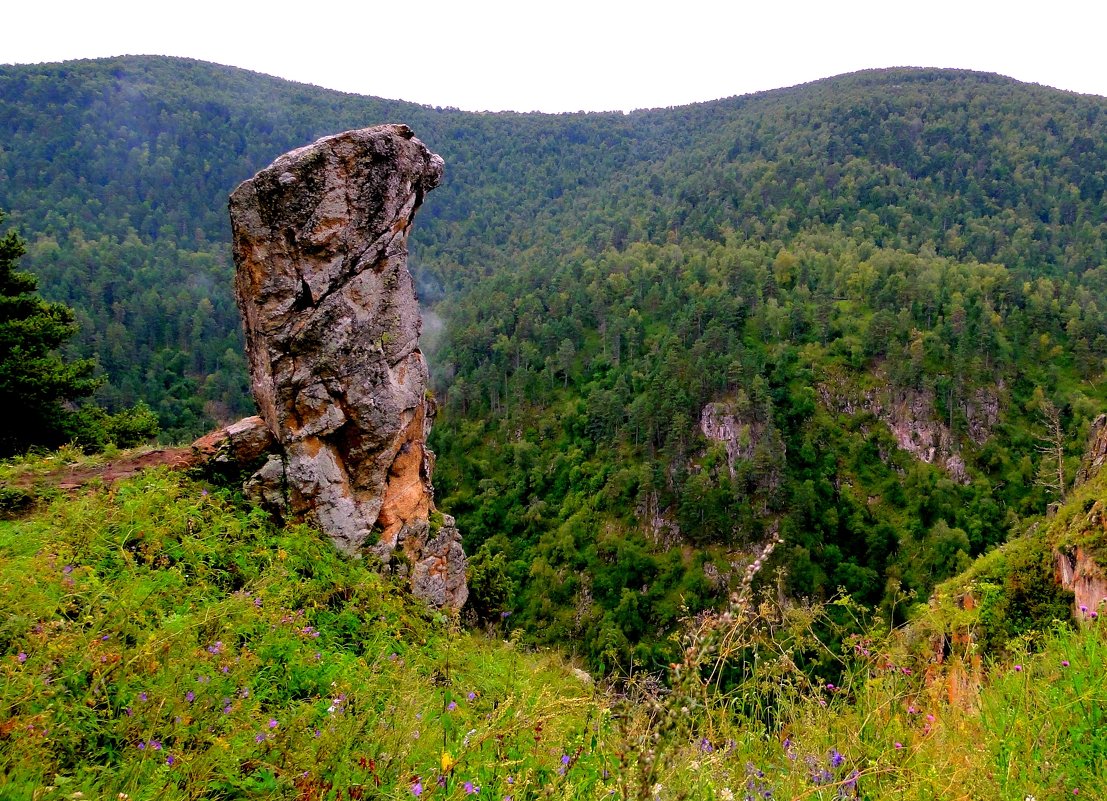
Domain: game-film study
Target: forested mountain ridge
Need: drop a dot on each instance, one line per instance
(95, 151)
(839, 269)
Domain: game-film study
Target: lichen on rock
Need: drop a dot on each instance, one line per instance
(332, 339)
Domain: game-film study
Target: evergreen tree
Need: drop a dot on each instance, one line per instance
(35, 383)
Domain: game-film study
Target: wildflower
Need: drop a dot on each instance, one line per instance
(142, 696)
(726, 794)
(899, 746)
(929, 718)
(447, 761)
(216, 648)
(472, 696)
(564, 759)
(451, 706)
(417, 788)
(259, 738)
(142, 746)
(1083, 608)
(156, 745)
(836, 759)
(22, 657)
(257, 602)
(67, 569)
(227, 709)
(1018, 668)
(1064, 663)
(504, 615)
(105, 638)
(830, 686)
(471, 789)
(273, 723)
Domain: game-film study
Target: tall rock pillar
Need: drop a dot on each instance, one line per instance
(332, 338)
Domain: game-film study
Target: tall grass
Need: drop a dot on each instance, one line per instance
(159, 641)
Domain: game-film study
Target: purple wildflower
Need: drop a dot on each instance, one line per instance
(67, 569)
(472, 696)
(1064, 663)
(471, 789)
(273, 723)
(564, 759)
(257, 602)
(105, 638)
(259, 738)
(899, 746)
(22, 657)
(451, 706)
(156, 745)
(836, 759)
(227, 709)
(1018, 668)
(169, 760)
(190, 696)
(142, 696)
(142, 746)
(216, 648)
(417, 788)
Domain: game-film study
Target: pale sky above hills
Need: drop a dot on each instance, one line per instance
(576, 54)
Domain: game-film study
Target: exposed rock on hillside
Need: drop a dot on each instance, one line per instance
(332, 337)
(909, 415)
(722, 422)
(1095, 457)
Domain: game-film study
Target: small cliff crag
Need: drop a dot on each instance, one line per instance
(332, 338)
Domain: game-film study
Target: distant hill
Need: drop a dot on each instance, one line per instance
(117, 171)
(844, 313)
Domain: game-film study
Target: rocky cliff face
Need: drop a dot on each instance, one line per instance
(909, 415)
(332, 337)
(1095, 457)
(722, 422)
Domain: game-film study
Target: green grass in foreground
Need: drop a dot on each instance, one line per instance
(158, 641)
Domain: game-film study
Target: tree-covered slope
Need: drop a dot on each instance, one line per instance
(863, 315)
(117, 172)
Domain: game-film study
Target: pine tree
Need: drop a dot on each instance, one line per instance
(35, 383)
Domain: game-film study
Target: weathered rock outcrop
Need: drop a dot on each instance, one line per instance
(332, 337)
(1075, 569)
(722, 422)
(1095, 457)
(909, 415)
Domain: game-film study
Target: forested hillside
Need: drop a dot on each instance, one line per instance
(865, 315)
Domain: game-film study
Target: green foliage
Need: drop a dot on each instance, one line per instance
(159, 641)
(35, 382)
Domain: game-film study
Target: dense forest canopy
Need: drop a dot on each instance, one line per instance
(865, 315)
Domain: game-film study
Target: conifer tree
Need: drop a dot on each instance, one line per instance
(35, 383)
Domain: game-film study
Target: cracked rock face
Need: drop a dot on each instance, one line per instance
(332, 338)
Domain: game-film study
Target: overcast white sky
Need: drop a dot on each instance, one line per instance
(576, 54)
